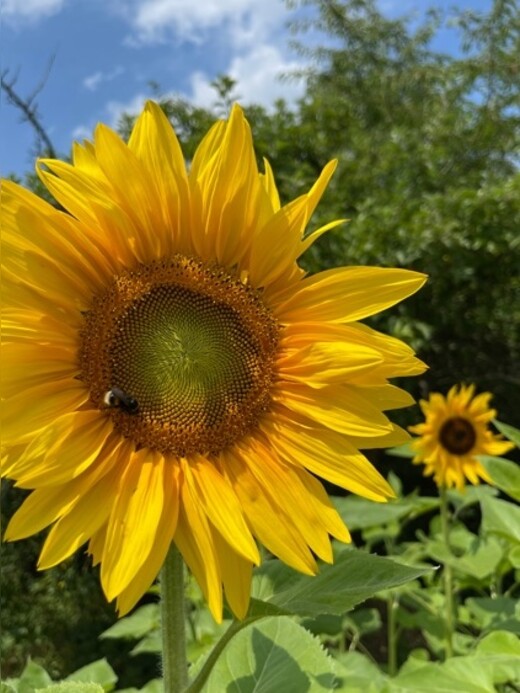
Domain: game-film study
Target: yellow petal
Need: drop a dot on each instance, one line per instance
(281, 483)
(270, 186)
(341, 408)
(155, 144)
(134, 520)
(236, 576)
(70, 445)
(29, 364)
(165, 531)
(220, 505)
(82, 521)
(278, 244)
(329, 455)
(195, 542)
(29, 411)
(326, 363)
(348, 293)
(45, 505)
(281, 537)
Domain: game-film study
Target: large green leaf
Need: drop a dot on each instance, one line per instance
(504, 473)
(99, 672)
(356, 673)
(404, 450)
(7, 687)
(354, 577)
(469, 554)
(72, 687)
(33, 677)
(492, 614)
(274, 654)
(135, 626)
(360, 513)
(155, 686)
(496, 660)
(510, 432)
(502, 518)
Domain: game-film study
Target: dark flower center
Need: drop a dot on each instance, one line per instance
(458, 436)
(186, 354)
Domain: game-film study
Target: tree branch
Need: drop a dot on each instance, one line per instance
(29, 108)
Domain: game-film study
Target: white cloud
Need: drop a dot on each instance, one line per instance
(258, 79)
(113, 112)
(155, 21)
(115, 109)
(29, 10)
(93, 81)
(82, 132)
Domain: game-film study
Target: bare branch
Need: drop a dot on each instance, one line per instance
(29, 108)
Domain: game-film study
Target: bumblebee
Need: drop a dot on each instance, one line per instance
(117, 399)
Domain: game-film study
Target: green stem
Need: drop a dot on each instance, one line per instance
(203, 674)
(391, 607)
(448, 575)
(175, 665)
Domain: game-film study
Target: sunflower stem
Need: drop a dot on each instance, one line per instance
(391, 605)
(448, 575)
(174, 662)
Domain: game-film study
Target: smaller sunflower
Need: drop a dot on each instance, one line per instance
(454, 433)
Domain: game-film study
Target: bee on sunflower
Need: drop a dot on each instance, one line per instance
(171, 375)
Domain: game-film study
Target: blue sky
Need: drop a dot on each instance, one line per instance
(105, 52)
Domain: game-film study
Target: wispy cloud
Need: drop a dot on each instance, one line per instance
(113, 111)
(155, 21)
(93, 81)
(16, 11)
(82, 132)
(259, 79)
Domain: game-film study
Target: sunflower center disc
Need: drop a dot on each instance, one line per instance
(193, 346)
(457, 435)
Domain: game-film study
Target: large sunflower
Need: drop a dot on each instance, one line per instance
(171, 374)
(454, 432)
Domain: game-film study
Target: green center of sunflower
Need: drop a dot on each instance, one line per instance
(181, 355)
(457, 435)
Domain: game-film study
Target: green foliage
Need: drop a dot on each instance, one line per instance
(354, 576)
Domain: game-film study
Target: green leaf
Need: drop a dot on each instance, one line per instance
(33, 676)
(514, 556)
(510, 432)
(154, 686)
(493, 614)
(404, 450)
(502, 518)
(72, 687)
(356, 673)
(151, 643)
(500, 643)
(495, 660)
(471, 495)
(99, 672)
(8, 687)
(354, 577)
(504, 473)
(136, 626)
(453, 676)
(275, 654)
(469, 554)
(360, 513)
